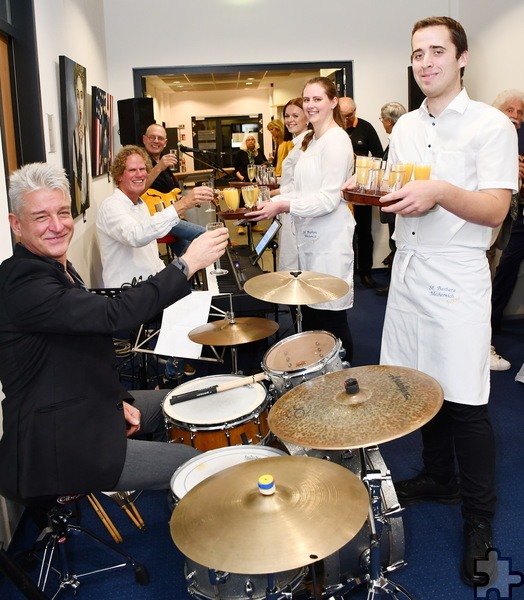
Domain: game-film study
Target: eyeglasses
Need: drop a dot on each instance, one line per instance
(159, 138)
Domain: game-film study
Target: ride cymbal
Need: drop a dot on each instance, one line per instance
(226, 523)
(296, 287)
(240, 330)
(391, 402)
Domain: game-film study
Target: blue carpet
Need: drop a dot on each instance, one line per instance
(432, 531)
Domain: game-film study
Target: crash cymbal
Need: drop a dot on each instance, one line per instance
(227, 332)
(296, 287)
(391, 402)
(226, 523)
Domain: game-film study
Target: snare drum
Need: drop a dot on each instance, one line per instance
(203, 466)
(302, 357)
(230, 418)
(232, 586)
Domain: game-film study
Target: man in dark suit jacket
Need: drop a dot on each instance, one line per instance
(66, 418)
(365, 142)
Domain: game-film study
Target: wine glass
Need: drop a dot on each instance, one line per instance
(231, 198)
(217, 269)
(422, 171)
(251, 171)
(210, 183)
(250, 195)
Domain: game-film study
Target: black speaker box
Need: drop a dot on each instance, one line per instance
(415, 95)
(134, 116)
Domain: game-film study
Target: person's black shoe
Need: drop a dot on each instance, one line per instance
(479, 565)
(368, 281)
(423, 488)
(382, 291)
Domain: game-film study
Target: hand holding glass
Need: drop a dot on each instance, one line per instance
(217, 269)
(210, 183)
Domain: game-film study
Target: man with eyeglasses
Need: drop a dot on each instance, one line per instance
(162, 179)
(365, 142)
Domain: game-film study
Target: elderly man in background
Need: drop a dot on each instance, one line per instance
(365, 142)
(162, 179)
(390, 113)
(511, 236)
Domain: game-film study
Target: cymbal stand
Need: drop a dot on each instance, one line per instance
(299, 319)
(376, 579)
(230, 316)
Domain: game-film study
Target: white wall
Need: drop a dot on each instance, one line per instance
(76, 29)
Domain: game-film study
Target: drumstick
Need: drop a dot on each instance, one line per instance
(102, 515)
(175, 399)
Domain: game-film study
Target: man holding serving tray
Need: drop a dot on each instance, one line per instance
(438, 312)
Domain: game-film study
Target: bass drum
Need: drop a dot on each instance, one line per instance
(228, 586)
(302, 357)
(339, 571)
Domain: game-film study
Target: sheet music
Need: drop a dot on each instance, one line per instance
(178, 320)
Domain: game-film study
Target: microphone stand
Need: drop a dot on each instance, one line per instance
(203, 157)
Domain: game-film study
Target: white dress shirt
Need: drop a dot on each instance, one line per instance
(127, 235)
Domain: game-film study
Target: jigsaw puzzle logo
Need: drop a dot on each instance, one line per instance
(506, 581)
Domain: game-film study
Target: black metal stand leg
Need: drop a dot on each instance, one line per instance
(378, 583)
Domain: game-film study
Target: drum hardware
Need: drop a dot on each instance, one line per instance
(391, 402)
(232, 331)
(296, 288)
(377, 582)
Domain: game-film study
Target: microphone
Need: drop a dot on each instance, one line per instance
(188, 149)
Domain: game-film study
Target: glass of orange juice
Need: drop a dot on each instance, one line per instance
(397, 175)
(422, 171)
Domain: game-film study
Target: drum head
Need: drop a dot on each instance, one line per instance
(201, 467)
(222, 407)
(300, 351)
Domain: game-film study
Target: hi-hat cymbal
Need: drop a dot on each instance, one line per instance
(296, 287)
(225, 523)
(391, 402)
(232, 332)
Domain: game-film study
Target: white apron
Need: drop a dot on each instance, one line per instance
(438, 318)
(325, 246)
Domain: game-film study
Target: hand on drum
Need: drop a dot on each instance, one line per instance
(268, 210)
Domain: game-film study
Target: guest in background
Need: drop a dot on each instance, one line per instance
(511, 235)
(162, 179)
(365, 142)
(296, 122)
(390, 113)
(323, 224)
(281, 144)
(248, 154)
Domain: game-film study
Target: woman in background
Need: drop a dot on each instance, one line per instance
(248, 154)
(295, 120)
(323, 223)
(282, 144)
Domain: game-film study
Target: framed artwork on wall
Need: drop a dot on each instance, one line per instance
(73, 104)
(101, 134)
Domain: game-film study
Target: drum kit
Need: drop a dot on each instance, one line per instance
(291, 498)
